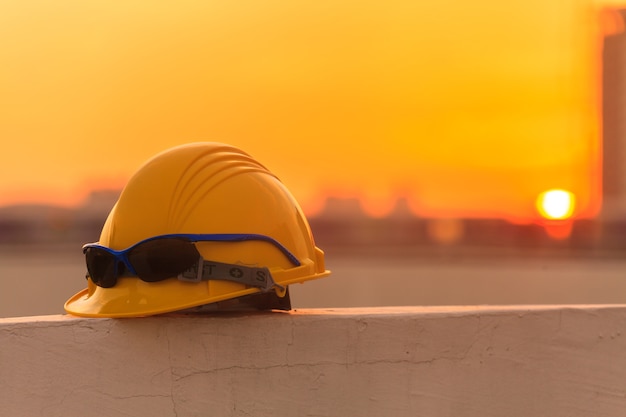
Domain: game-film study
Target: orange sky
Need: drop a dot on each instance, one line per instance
(467, 108)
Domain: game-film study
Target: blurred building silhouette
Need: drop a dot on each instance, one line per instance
(341, 225)
(613, 215)
(614, 120)
(34, 223)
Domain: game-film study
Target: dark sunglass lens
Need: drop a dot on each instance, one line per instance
(101, 266)
(160, 259)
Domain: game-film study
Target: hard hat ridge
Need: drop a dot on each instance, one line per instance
(207, 170)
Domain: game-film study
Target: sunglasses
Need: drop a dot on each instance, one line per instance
(174, 255)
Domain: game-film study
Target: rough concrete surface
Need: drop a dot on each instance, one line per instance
(416, 361)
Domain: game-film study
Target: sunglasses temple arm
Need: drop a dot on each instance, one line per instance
(292, 258)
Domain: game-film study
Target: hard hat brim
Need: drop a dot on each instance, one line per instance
(132, 297)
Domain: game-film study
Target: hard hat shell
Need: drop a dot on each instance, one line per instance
(202, 188)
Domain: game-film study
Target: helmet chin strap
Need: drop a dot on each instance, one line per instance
(204, 270)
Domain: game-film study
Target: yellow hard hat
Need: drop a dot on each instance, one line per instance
(196, 225)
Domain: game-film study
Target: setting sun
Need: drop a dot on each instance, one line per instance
(556, 204)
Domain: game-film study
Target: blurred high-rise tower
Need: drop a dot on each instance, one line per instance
(614, 119)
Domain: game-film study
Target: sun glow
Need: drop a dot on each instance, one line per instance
(460, 109)
(556, 204)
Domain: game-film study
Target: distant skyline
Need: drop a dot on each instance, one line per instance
(98, 203)
(461, 110)
(341, 223)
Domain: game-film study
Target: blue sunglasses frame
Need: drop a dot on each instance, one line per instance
(121, 255)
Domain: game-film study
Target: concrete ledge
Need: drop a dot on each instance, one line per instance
(471, 361)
